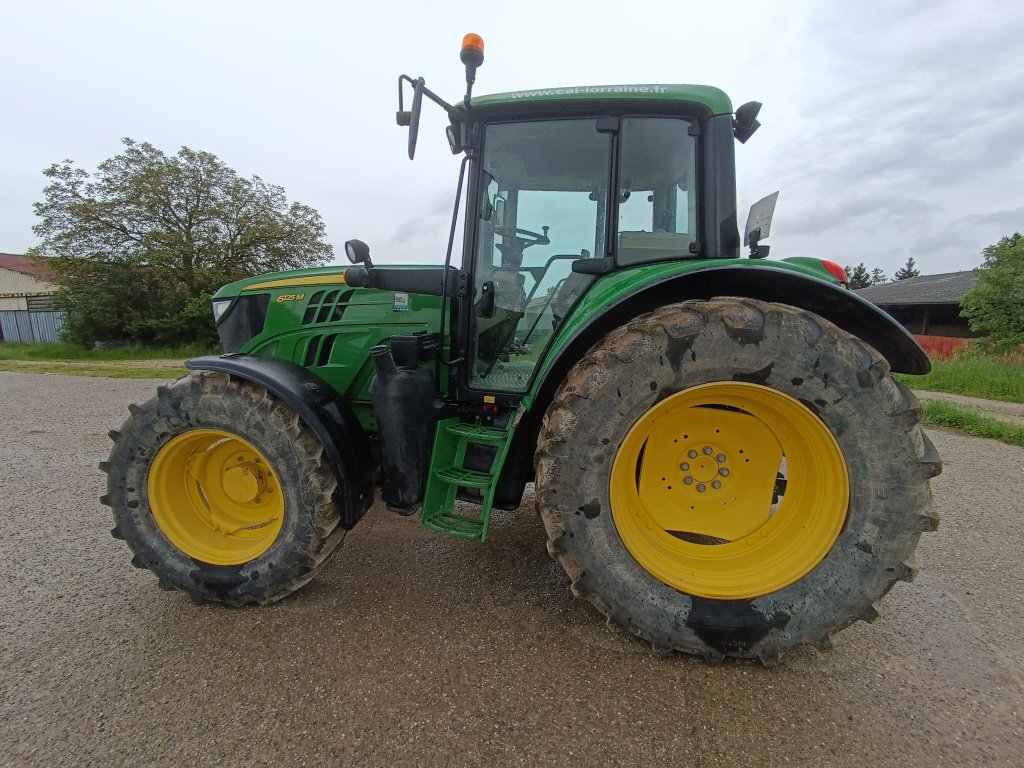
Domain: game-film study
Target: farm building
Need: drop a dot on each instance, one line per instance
(27, 313)
(929, 307)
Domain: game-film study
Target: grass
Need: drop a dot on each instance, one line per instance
(113, 363)
(11, 351)
(109, 369)
(974, 374)
(944, 414)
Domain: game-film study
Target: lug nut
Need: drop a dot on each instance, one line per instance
(692, 454)
(684, 466)
(707, 450)
(720, 458)
(715, 484)
(723, 472)
(701, 488)
(688, 480)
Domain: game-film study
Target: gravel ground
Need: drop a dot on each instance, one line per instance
(413, 649)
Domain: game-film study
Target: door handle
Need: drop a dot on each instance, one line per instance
(486, 305)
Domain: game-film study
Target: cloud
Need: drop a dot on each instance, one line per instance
(410, 229)
(857, 208)
(889, 127)
(909, 140)
(436, 216)
(976, 230)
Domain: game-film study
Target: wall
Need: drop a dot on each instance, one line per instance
(940, 347)
(30, 327)
(26, 309)
(931, 319)
(12, 282)
(13, 303)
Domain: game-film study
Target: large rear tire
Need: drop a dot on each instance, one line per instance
(222, 492)
(734, 478)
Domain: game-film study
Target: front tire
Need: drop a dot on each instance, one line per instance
(220, 490)
(734, 478)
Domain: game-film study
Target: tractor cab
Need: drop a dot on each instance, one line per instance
(566, 185)
(560, 201)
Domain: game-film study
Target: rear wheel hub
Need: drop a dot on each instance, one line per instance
(729, 490)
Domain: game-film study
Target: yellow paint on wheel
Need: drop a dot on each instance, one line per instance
(729, 490)
(215, 497)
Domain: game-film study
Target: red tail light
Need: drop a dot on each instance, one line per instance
(836, 271)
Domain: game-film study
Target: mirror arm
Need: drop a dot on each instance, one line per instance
(452, 111)
(402, 115)
(404, 118)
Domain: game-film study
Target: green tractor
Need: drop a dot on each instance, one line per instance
(722, 462)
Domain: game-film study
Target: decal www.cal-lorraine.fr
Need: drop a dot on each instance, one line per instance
(290, 297)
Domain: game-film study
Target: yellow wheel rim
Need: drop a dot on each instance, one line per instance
(729, 491)
(215, 497)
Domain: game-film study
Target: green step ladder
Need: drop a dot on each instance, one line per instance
(448, 476)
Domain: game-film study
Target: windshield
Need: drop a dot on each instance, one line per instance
(544, 203)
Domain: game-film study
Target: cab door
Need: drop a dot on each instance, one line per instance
(542, 206)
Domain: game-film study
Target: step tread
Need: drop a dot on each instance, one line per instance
(458, 526)
(478, 433)
(467, 478)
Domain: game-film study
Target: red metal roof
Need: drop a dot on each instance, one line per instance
(22, 264)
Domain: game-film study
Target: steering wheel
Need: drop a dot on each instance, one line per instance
(524, 236)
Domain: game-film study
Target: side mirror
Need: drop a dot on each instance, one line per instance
(472, 56)
(414, 117)
(745, 123)
(358, 252)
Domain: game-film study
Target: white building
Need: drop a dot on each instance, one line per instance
(26, 301)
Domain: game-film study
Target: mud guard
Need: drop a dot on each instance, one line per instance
(838, 305)
(845, 308)
(317, 404)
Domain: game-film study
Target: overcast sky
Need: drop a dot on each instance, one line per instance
(892, 129)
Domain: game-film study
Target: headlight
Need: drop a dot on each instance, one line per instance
(219, 308)
(242, 320)
(358, 252)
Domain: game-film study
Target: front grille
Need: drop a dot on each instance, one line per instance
(318, 350)
(326, 306)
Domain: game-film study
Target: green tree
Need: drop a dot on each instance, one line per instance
(139, 247)
(995, 305)
(859, 277)
(907, 271)
(878, 276)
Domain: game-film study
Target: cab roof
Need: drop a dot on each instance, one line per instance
(713, 99)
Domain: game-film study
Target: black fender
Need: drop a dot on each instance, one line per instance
(318, 405)
(845, 308)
